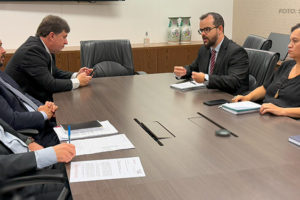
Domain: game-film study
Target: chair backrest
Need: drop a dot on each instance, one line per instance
(280, 44)
(261, 66)
(107, 57)
(257, 42)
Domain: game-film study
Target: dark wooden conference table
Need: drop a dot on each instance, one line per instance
(194, 163)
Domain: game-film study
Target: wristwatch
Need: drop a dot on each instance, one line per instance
(29, 140)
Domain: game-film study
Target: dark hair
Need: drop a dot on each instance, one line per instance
(295, 27)
(218, 19)
(53, 24)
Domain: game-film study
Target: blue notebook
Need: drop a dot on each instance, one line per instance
(295, 139)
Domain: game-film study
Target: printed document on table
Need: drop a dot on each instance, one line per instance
(106, 169)
(102, 144)
(106, 129)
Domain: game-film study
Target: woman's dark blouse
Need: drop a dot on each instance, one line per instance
(289, 89)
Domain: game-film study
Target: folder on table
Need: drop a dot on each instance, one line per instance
(241, 107)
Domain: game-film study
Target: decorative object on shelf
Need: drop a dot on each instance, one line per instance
(146, 39)
(185, 30)
(173, 30)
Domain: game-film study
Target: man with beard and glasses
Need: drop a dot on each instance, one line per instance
(221, 63)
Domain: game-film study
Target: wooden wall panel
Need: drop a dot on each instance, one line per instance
(74, 61)
(145, 59)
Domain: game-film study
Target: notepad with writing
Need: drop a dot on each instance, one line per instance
(241, 107)
(187, 85)
(295, 139)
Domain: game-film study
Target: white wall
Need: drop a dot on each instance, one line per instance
(108, 20)
(261, 17)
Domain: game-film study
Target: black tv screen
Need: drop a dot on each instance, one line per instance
(62, 0)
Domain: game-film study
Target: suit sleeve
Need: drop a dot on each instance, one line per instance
(192, 67)
(20, 120)
(60, 74)
(35, 65)
(16, 164)
(34, 100)
(238, 69)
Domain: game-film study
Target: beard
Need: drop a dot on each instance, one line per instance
(1, 61)
(211, 42)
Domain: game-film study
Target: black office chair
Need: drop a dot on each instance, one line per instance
(261, 66)
(280, 44)
(107, 57)
(9, 188)
(257, 42)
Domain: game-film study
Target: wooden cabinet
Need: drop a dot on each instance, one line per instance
(162, 57)
(153, 58)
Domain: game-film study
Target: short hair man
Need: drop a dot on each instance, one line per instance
(33, 64)
(19, 156)
(221, 63)
(21, 111)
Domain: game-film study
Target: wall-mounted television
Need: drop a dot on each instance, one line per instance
(60, 0)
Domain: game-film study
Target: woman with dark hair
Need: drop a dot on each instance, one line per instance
(281, 93)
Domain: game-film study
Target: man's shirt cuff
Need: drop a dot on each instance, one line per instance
(45, 157)
(206, 79)
(44, 115)
(75, 83)
(74, 75)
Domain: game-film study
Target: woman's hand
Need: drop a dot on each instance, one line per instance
(271, 108)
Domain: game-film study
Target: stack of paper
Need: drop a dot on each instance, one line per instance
(106, 169)
(106, 129)
(188, 85)
(102, 144)
(241, 107)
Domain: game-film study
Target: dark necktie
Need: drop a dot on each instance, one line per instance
(212, 61)
(19, 94)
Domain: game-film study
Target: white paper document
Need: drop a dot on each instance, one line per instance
(188, 85)
(102, 144)
(106, 169)
(106, 129)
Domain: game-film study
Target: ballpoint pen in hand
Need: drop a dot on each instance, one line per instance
(69, 134)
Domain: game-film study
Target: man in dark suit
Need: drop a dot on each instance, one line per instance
(221, 63)
(20, 156)
(33, 64)
(25, 113)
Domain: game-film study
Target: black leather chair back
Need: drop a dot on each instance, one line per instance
(107, 57)
(257, 42)
(261, 66)
(280, 44)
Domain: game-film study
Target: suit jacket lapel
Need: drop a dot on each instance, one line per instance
(221, 56)
(205, 61)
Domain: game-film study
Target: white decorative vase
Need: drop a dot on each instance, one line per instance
(185, 30)
(173, 30)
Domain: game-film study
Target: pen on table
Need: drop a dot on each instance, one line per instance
(69, 133)
(193, 82)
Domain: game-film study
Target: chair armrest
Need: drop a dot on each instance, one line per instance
(140, 73)
(29, 131)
